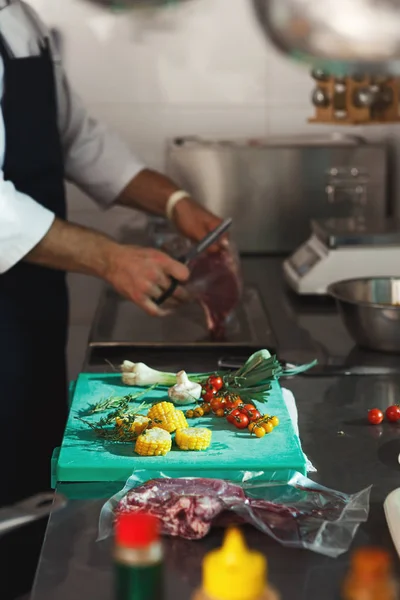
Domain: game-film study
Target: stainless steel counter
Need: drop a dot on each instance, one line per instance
(348, 454)
(299, 329)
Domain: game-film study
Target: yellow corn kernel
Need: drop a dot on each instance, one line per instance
(166, 416)
(140, 424)
(163, 416)
(153, 442)
(193, 438)
(135, 423)
(181, 422)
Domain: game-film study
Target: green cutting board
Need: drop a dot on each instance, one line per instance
(86, 458)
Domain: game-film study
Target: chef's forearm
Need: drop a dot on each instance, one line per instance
(70, 247)
(148, 191)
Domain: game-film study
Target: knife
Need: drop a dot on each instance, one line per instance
(31, 509)
(201, 247)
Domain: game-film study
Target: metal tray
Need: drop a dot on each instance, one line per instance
(118, 322)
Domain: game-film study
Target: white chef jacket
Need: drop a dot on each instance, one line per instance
(96, 159)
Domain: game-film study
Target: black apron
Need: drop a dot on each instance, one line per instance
(33, 299)
(33, 313)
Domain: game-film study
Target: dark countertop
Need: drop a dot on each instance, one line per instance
(349, 455)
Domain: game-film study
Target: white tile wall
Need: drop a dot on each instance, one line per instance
(202, 67)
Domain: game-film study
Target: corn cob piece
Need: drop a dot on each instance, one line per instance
(166, 416)
(181, 422)
(138, 424)
(193, 438)
(153, 442)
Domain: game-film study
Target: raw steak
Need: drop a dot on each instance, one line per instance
(185, 507)
(216, 284)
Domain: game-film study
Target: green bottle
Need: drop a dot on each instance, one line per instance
(138, 558)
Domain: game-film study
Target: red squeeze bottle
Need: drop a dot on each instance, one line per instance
(138, 557)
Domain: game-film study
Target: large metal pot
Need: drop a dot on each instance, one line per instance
(370, 309)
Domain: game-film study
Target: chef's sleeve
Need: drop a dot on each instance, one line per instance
(23, 224)
(97, 160)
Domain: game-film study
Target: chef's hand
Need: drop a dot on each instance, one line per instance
(139, 274)
(143, 274)
(195, 222)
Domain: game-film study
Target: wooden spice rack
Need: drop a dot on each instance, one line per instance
(355, 100)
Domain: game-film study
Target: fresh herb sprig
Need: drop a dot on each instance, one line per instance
(117, 402)
(120, 408)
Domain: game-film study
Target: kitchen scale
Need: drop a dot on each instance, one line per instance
(341, 249)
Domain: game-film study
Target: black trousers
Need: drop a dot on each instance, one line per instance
(33, 412)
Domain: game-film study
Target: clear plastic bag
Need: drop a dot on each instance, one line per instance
(297, 514)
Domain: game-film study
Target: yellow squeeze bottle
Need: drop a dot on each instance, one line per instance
(234, 572)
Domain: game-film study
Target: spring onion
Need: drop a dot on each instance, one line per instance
(253, 380)
(139, 374)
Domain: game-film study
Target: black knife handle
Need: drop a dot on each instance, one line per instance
(168, 293)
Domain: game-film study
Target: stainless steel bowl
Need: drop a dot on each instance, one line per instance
(340, 37)
(370, 309)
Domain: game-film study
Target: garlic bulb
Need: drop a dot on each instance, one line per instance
(184, 391)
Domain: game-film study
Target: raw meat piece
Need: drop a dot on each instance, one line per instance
(188, 508)
(217, 287)
(185, 507)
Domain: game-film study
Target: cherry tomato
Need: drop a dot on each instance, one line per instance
(259, 432)
(268, 427)
(257, 429)
(233, 415)
(217, 403)
(251, 412)
(241, 421)
(252, 427)
(375, 416)
(208, 393)
(393, 413)
(229, 403)
(220, 412)
(275, 421)
(215, 382)
(249, 407)
(233, 402)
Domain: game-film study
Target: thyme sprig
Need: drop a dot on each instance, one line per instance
(117, 402)
(106, 427)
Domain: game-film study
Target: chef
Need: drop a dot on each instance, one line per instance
(46, 136)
